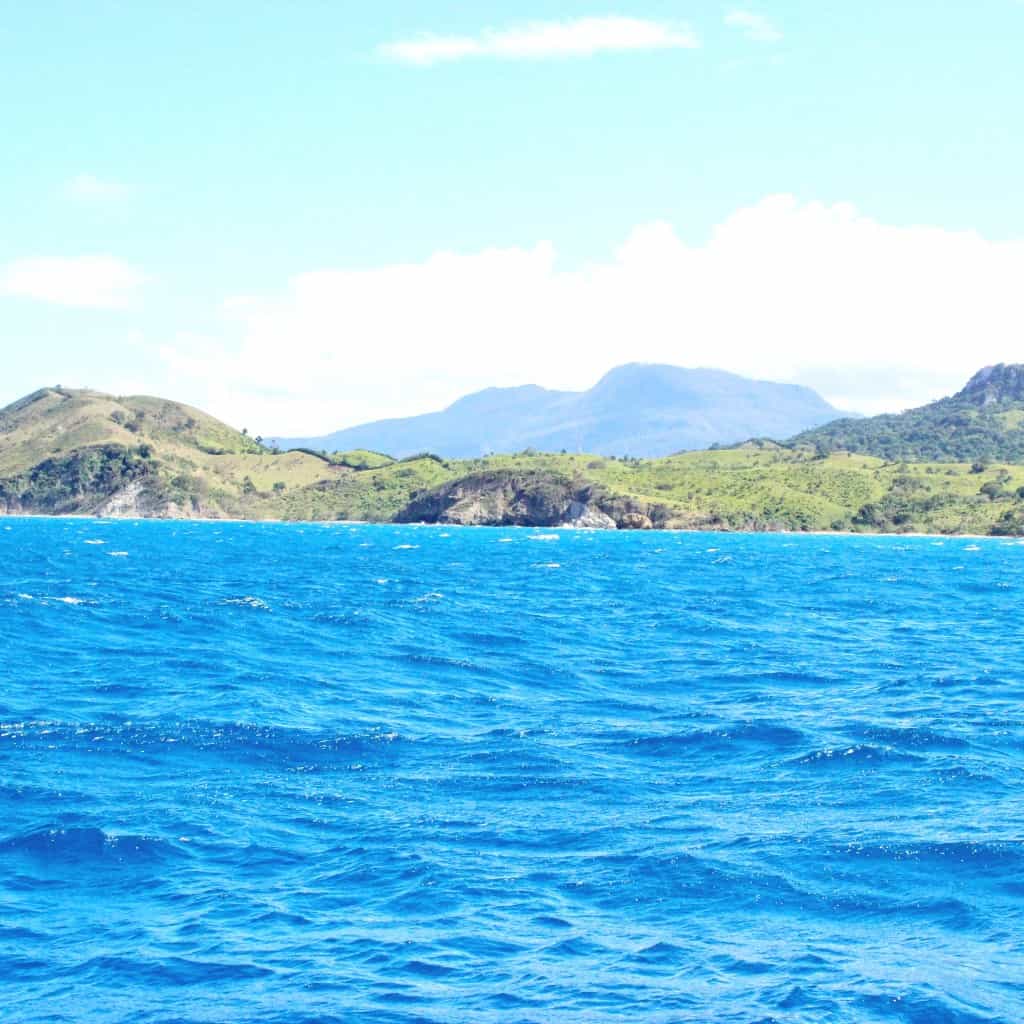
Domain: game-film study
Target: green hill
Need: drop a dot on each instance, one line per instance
(83, 452)
(984, 421)
(64, 450)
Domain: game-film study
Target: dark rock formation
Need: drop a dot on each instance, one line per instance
(510, 498)
(635, 521)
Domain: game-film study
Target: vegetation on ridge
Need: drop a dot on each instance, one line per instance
(983, 421)
(64, 451)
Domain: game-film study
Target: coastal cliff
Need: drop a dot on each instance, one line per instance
(509, 498)
(535, 497)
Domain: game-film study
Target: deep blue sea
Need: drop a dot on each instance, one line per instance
(290, 773)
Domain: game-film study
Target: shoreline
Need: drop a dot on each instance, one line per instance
(85, 516)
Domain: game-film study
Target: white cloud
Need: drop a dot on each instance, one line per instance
(90, 189)
(95, 282)
(754, 26)
(579, 37)
(781, 290)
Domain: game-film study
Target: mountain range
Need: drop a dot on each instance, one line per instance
(640, 409)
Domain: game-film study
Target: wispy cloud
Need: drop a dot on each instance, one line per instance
(90, 189)
(91, 282)
(754, 26)
(579, 37)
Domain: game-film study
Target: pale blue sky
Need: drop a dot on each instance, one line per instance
(162, 160)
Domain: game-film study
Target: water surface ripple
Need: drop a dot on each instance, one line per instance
(289, 773)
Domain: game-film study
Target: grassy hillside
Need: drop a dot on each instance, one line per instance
(85, 452)
(186, 462)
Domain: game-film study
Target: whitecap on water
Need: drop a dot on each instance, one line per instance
(547, 565)
(248, 602)
(972, 547)
(94, 542)
(433, 596)
(406, 547)
(544, 536)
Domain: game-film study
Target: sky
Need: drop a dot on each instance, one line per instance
(303, 216)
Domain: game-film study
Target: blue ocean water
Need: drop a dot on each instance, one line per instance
(289, 773)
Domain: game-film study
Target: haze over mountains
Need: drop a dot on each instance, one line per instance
(640, 409)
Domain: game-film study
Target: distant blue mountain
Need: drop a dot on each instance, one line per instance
(639, 409)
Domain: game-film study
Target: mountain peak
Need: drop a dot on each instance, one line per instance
(1003, 382)
(647, 372)
(640, 409)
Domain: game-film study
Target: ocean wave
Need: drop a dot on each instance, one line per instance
(915, 1007)
(248, 741)
(973, 855)
(917, 737)
(855, 754)
(77, 845)
(248, 601)
(761, 733)
(173, 971)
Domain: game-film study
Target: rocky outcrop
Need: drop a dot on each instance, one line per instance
(635, 513)
(582, 516)
(510, 498)
(135, 501)
(992, 385)
(635, 521)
